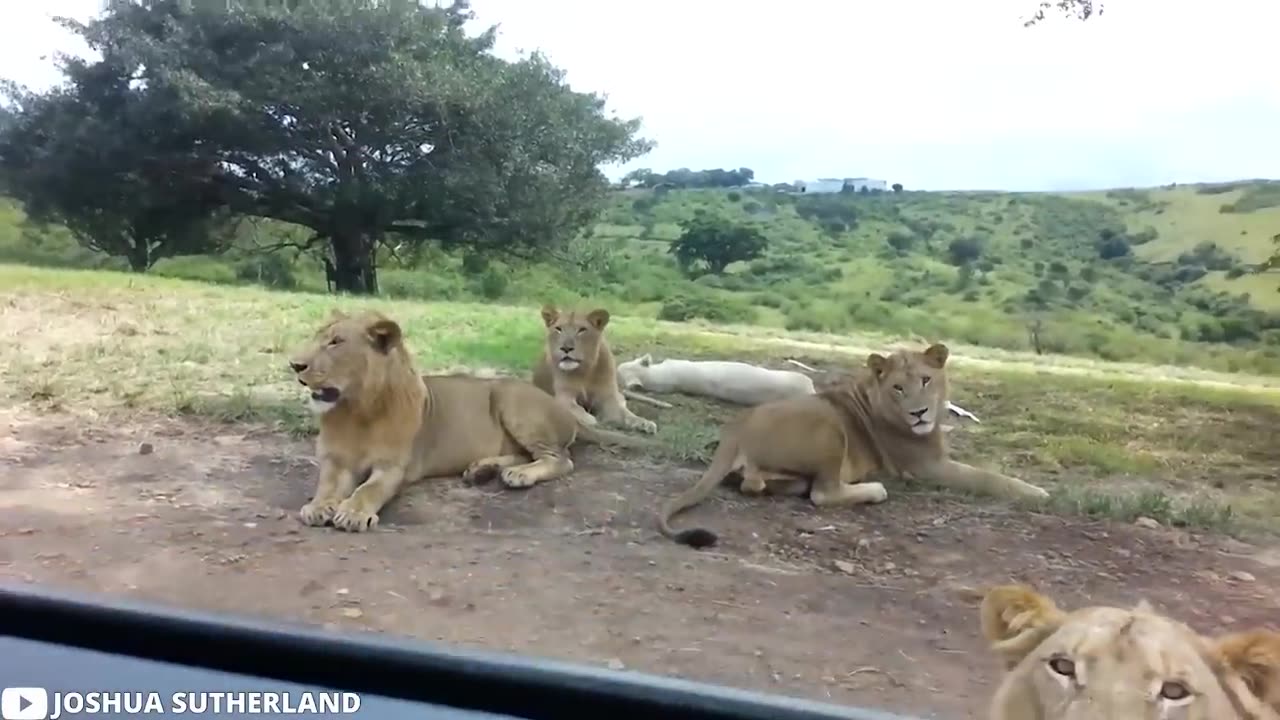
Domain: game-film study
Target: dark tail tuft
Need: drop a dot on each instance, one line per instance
(696, 538)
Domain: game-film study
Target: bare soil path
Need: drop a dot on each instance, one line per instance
(574, 570)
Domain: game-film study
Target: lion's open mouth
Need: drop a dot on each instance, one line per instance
(326, 395)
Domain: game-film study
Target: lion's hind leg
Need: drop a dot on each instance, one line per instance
(532, 422)
(486, 469)
(756, 481)
(549, 463)
(841, 483)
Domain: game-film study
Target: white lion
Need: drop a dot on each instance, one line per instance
(734, 382)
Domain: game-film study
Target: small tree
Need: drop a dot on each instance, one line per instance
(901, 242)
(1112, 244)
(714, 242)
(963, 250)
(897, 187)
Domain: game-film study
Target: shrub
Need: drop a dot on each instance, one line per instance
(707, 307)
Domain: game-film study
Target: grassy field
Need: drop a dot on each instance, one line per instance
(1181, 293)
(1110, 440)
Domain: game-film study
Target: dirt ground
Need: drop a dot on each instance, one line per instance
(205, 517)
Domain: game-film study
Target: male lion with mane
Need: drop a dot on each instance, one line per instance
(883, 417)
(577, 367)
(1110, 663)
(379, 416)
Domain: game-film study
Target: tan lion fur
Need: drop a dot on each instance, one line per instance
(884, 417)
(577, 367)
(379, 416)
(1111, 663)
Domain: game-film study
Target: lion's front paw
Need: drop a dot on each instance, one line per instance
(643, 425)
(517, 477)
(588, 419)
(875, 492)
(1036, 493)
(317, 512)
(352, 516)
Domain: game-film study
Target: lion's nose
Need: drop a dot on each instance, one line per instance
(298, 367)
(566, 348)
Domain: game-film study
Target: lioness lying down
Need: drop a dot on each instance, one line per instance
(1110, 663)
(883, 418)
(731, 381)
(379, 416)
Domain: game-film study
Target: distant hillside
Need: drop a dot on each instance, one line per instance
(1241, 218)
(1157, 275)
(1117, 274)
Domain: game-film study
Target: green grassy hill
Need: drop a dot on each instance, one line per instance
(975, 268)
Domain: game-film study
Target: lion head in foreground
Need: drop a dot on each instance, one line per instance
(909, 387)
(1110, 663)
(574, 338)
(351, 359)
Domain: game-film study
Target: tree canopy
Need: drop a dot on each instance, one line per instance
(1079, 9)
(88, 161)
(712, 243)
(358, 119)
(685, 178)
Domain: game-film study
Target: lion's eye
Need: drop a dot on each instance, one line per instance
(899, 388)
(581, 330)
(559, 329)
(1174, 690)
(335, 342)
(1063, 666)
(924, 381)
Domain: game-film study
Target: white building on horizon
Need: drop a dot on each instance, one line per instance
(835, 185)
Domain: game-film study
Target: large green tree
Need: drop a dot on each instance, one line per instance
(368, 122)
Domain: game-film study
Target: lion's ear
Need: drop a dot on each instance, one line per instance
(598, 318)
(646, 360)
(1255, 656)
(936, 355)
(1016, 619)
(878, 363)
(549, 314)
(384, 333)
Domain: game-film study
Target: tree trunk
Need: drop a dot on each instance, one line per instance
(139, 256)
(353, 264)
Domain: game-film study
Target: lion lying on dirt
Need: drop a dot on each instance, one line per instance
(731, 381)
(1110, 663)
(379, 416)
(885, 417)
(577, 367)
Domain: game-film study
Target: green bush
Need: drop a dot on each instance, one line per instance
(272, 270)
(707, 307)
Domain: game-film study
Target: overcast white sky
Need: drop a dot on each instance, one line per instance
(935, 94)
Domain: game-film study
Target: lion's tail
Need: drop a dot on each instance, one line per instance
(601, 436)
(721, 464)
